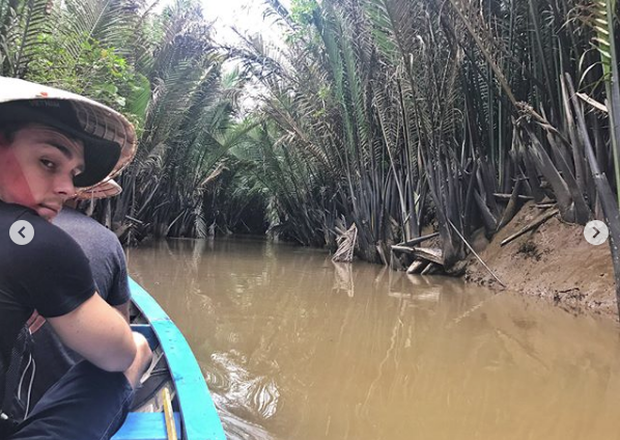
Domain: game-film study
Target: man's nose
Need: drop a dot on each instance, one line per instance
(65, 186)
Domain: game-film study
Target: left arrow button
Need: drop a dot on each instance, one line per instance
(21, 232)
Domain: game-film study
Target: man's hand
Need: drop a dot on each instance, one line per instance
(144, 355)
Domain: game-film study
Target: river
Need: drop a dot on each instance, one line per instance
(295, 347)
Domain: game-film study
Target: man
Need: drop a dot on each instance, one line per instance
(101, 246)
(43, 359)
(51, 142)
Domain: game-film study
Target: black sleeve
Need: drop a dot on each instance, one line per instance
(52, 271)
(119, 290)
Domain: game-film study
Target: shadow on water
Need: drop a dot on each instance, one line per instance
(294, 346)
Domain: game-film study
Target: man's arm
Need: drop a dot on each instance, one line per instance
(123, 309)
(119, 294)
(98, 333)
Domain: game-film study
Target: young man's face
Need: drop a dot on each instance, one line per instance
(37, 169)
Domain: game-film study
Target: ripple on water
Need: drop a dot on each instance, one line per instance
(241, 390)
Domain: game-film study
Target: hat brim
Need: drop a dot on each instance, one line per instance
(103, 190)
(100, 155)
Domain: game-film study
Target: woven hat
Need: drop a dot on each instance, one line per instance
(109, 138)
(106, 189)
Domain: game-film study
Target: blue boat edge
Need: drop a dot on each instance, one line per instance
(200, 420)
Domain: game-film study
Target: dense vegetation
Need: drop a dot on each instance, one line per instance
(162, 71)
(394, 112)
(390, 114)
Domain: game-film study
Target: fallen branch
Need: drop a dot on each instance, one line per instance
(545, 205)
(134, 220)
(489, 220)
(539, 221)
(346, 245)
(417, 266)
(513, 207)
(428, 270)
(430, 254)
(507, 196)
(417, 240)
(401, 248)
(593, 102)
(477, 256)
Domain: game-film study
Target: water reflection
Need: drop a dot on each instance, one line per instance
(296, 347)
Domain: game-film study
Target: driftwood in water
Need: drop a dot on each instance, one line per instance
(425, 259)
(417, 266)
(430, 254)
(430, 269)
(434, 255)
(346, 245)
(381, 253)
(537, 222)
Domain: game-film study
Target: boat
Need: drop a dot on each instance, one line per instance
(173, 402)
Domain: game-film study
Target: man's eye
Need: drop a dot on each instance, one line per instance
(48, 164)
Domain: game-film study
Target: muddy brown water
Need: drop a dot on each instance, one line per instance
(296, 348)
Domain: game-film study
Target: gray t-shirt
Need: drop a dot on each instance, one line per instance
(107, 261)
(103, 250)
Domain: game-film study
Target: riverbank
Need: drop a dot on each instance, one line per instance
(554, 262)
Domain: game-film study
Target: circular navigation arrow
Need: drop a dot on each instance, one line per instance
(21, 232)
(596, 232)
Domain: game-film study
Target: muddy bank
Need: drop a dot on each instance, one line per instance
(554, 262)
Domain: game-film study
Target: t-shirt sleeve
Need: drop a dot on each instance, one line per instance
(119, 291)
(52, 271)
